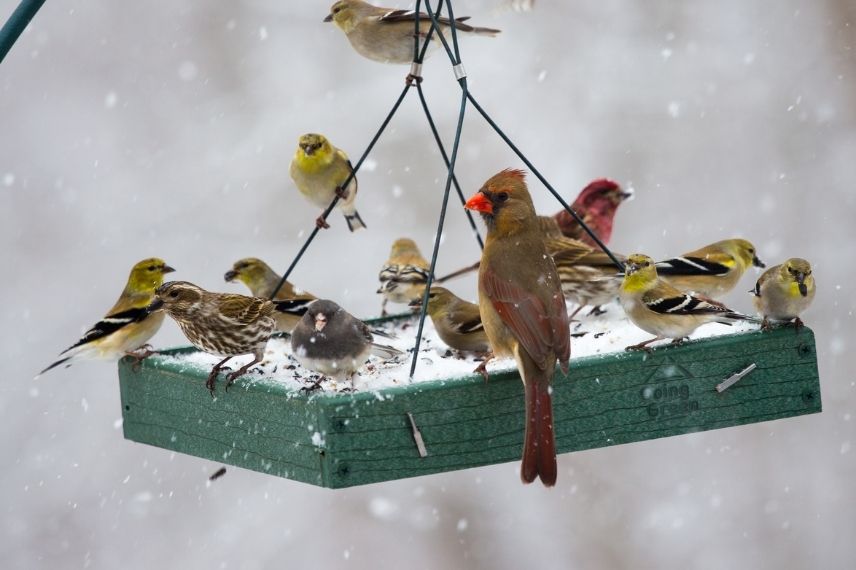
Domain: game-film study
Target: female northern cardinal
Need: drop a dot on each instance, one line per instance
(523, 309)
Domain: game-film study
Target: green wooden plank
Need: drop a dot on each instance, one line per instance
(366, 437)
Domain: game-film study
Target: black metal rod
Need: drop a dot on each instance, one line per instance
(16, 24)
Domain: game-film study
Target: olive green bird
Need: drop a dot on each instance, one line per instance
(784, 291)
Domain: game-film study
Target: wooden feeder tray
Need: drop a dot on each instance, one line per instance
(341, 440)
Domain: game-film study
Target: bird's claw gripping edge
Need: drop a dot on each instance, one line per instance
(139, 355)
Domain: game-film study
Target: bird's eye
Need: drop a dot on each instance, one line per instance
(173, 294)
(502, 197)
(151, 268)
(752, 250)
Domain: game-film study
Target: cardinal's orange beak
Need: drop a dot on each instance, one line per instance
(479, 203)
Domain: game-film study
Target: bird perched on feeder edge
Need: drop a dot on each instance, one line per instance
(222, 324)
(657, 307)
(713, 270)
(333, 342)
(523, 309)
(127, 327)
(596, 205)
(404, 275)
(262, 280)
(784, 291)
(386, 35)
(319, 170)
(457, 322)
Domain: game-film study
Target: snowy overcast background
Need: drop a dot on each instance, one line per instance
(132, 129)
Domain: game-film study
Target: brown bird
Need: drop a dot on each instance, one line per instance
(261, 280)
(457, 322)
(223, 324)
(404, 275)
(588, 275)
(596, 204)
(523, 309)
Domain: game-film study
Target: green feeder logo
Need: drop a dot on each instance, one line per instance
(667, 394)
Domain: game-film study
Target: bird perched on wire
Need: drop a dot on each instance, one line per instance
(784, 291)
(386, 35)
(222, 324)
(457, 322)
(713, 270)
(657, 307)
(333, 342)
(588, 275)
(319, 171)
(404, 275)
(127, 327)
(596, 205)
(262, 280)
(523, 309)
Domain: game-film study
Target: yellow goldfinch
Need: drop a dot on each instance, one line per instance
(458, 323)
(657, 307)
(404, 275)
(261, 280)
(128, 326)
(713, 270)
(319, 169)
(386, 35)
(588, 276)
(784, 291)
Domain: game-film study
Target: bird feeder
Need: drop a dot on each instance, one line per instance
(338, 440)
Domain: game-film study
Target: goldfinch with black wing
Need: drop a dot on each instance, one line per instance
(319, 171)
(386, 35)
(404, 275)
(713, 270)
(261, 280)
(784, 291)
(657, 307)
(127, 327)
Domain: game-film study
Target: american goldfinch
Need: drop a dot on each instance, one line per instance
(127, 327)
(588, 275)
(657, 307)
(319, 169)
(596, 204)
(223, 324)
(457, 322)
(711, 271)
(386, 35)
(404, 275)
(784, 291)
(261, 280)
(523, 309)
(333, 342)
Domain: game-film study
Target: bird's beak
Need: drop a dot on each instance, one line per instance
(627, 194)
(167, 269)
(320, 322)
(629, 269)
(758, 263)
(480, 203)
(801, 284)
(230, 275)
(329, 18)
(155, 305)
(307, 149)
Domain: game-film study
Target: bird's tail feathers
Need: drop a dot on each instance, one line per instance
(354, 220)
(539, 443)
(384, 351)
(55, 364)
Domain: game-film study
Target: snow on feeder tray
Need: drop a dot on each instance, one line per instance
(449, 418)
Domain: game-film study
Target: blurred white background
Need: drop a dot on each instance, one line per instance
(145, 128)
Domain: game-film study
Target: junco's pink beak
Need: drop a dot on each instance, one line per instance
(320, 322)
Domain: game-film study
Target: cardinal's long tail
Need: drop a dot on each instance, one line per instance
(539, 443)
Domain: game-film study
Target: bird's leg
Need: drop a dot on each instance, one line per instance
(139, 355)
(798, 324)
(314, 386)
(678, 341)
(765, 324)
(242, 370)
(482, 368)
(342, 194)
(212, 376)
(644, 345)
(321, 223)
(574, 314)
(596, 311)
(383, 312)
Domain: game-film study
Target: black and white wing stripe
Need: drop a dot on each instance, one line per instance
(391, 275)
(470, 326)
(295, 307)
(691, 266)
(682, 305)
